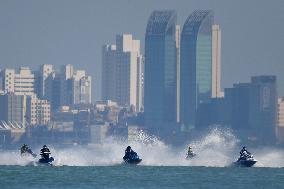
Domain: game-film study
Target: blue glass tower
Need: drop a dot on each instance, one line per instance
(195, 65)
(160, 70)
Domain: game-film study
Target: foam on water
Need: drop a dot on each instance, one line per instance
(218, 148)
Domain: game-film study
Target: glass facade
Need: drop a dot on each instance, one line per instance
(195, 65)
(160, 69)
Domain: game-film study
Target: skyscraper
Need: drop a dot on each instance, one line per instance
(263, 108)
(66, 76)
(216, 62)
(195, 64)
(81, 88)
(45, 78)
(108, 72)
(85, 90)
(122, 72)
(178, 70)
(160, 70)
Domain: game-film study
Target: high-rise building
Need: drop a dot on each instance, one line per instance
(178, 70)
(56, 90)
(45, 79)
(140, 83)
(38, 111)
(280, 121)
(81, 88)
(13, 109)
(24, 82)
(8, 78)
(21, 83)
(160, 71)
(216, 62)
(1, 85)
(253, 109)
(66, 92)
(280, 117)
(195, 65)
(263, 108)
(75, 86)
(122, 72)
(85, 90)
(108, 72)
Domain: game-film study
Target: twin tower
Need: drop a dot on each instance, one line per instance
(182, 68)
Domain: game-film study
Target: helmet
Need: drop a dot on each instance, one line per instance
(44, 146)
(128, 148)
(244, 148)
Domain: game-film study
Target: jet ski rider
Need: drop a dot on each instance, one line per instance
(129, 153)
(189, 151)
(24, 149)
(244, 152)
(45, 152)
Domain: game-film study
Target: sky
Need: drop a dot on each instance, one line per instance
(35, 32)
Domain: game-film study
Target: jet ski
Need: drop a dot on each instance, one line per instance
(131, 157)
(45, 156)
(190, 155)
(45, 159)
(245, 160)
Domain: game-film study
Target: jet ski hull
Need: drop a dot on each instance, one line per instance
(132, 161)
(47, 162)
(245, 163)
(190, 156)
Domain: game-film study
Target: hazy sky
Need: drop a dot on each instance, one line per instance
(35, 32)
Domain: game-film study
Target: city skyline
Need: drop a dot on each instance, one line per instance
(242, 43)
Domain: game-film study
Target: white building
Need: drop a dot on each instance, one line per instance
(178, 70)
(75, 86)
(122, 72)
(38, 111)
(8, 78)
(280, 116)
(280, 121)
(85, 90)
(21, 83)
(81, 87)
(216, 62)
(46, 77)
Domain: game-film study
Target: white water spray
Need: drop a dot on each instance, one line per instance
(218, 149)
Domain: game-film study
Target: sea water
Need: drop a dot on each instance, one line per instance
(163, 166)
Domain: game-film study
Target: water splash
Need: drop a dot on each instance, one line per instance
(269, 157)
(215, 149)
(218, 148)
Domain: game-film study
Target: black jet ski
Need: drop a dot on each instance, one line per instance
(132, 158)
(190, 155)
(46, 160)
(245, 160)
